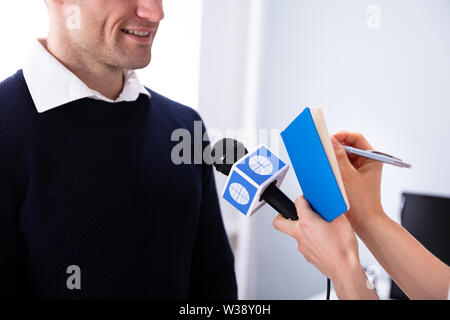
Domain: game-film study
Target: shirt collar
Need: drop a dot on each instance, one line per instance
(52, 85)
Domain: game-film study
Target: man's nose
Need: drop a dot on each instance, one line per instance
(150, 9)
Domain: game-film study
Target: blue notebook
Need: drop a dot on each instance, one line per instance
(312, 156)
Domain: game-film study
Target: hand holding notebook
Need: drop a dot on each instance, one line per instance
(312, 156)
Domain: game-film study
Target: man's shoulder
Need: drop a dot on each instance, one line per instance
(13, 82)
(16, 107)
(14, 94)
(172, 108)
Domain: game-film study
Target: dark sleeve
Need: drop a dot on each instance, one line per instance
(212, 271)
(9, 237)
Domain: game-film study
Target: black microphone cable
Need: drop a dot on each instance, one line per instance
(328, 288)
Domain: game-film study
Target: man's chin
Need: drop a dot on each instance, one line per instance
(137, 63)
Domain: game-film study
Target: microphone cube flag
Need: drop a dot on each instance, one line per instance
(249, 178)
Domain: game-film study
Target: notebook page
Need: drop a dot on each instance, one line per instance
(321, 126)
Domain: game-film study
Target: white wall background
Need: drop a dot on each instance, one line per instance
(21, 22)
(175, 68)
(392, 84)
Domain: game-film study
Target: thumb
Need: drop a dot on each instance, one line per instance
(345, 165)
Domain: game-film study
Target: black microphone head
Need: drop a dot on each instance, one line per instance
(227, 152)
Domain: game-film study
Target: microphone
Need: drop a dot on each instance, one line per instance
(227, 155)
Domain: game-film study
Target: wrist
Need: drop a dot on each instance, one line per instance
(369, 222)
(346, 267)
(352, 284)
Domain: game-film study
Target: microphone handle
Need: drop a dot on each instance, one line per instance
(280, 202)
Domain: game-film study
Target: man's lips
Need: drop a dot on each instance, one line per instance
(140, 32)
(143, 35)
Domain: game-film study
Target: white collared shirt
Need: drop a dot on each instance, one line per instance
(52, 85)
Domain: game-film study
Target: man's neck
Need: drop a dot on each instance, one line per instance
(107, 80)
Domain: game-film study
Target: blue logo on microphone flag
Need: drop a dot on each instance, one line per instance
(261, 165)
(239, 192)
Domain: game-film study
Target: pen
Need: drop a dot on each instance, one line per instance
(377, 156)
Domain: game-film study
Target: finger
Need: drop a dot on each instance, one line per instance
(345, 166)
(302, 206)
(353, 139)
(358, 161)
(284, 225)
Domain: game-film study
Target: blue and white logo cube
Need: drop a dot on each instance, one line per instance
(250, 176)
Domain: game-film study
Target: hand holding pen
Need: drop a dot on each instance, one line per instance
(377, 156)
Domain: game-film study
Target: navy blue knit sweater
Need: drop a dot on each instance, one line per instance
(92, 184)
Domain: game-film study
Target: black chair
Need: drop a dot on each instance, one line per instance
(427, 218)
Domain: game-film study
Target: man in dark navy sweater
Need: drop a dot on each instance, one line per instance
(91, 204)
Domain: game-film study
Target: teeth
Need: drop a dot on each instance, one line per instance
(137, 33)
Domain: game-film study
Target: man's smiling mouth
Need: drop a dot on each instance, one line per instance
(136, 32)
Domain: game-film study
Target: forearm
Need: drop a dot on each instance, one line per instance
(352, 284)
(413, 268)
